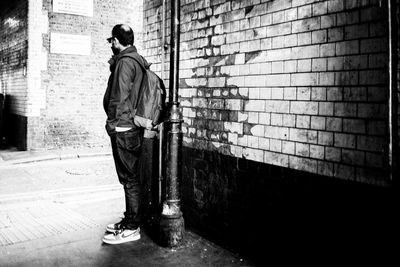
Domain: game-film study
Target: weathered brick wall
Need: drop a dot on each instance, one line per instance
(300, 84)
(71, 114)
(13, 54)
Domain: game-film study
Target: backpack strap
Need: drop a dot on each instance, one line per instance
(133, 112)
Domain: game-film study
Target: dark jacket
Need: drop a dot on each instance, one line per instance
(122, 89)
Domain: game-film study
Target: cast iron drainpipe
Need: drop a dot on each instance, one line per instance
(161, 128)
(393, 99)
(171, 221)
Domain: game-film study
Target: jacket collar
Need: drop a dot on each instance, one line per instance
(113, 60)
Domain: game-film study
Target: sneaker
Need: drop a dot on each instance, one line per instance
(113, 227)
(122, 236)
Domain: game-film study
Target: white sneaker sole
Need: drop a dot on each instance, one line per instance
(121, 241)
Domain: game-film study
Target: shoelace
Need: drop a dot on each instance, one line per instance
(118, 232)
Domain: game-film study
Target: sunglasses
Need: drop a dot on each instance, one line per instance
(110, 39)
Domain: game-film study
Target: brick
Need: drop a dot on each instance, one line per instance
(278, 17)
(333, 154)
(276, 159)
(344, 171)
(356, 31)
(279, 29)
(277, 106)
(320, 8)
(335, 34)
(279, 5)
(328, 21)
(290, 40)
(345, 140)
(291, 14)
(318, 123)
(304, 107)
(234, 127)
(303, 164)
(303, 79)
(367, 110)
(276, 132)
(288, 147)
(327, 50)
(305, 51)
(254, 93)
(289, 120)
(254, 154)
(326, 78)
(370, 143)
(303, 122)
(376, 127)
(302, 135)
(289, 93)
(317, 152)
(266, 19)
(373, 77)
(275, 145)
(325, 168)
(373, 45)
(306, 25)
(335, 6)
(218, 40)
(304, 38)
(374, 159)
(277, 80)
(252, 141)
(258, 130)
(304, 11)
(277, 93)
(253, 117)
(302, 150)
(334, 124)
(255, 81)
(325, 138)
(347, 47)
(233, 104)
(263, 143)
(318, 93)
(278, 54)
(319, 36)
(319, 64)
(303, 93)
(354, 126)
(278, 42)
(345, 109)
(353, 157)
(254, 105)
(265, 118)
(304, 65)
(334, 94)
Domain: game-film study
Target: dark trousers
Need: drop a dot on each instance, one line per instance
(126, 148)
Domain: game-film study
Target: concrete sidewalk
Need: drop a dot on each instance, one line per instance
(54, 207)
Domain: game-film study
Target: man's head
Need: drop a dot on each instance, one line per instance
(122, 37)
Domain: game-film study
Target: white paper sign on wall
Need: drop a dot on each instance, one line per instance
(61, 43)
(75, 7)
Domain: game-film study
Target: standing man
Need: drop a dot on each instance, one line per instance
(126, 138)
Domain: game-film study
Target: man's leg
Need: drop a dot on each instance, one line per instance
(126, 148)
(126, 151)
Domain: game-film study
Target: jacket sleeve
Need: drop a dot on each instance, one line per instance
(125, 71)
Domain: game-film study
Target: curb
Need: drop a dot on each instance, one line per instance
(51, 157)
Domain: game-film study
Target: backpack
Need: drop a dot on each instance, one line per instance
(150, 104)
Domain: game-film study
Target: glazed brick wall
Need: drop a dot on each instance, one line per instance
(300, 84)
(13, 54)
(74, 85)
